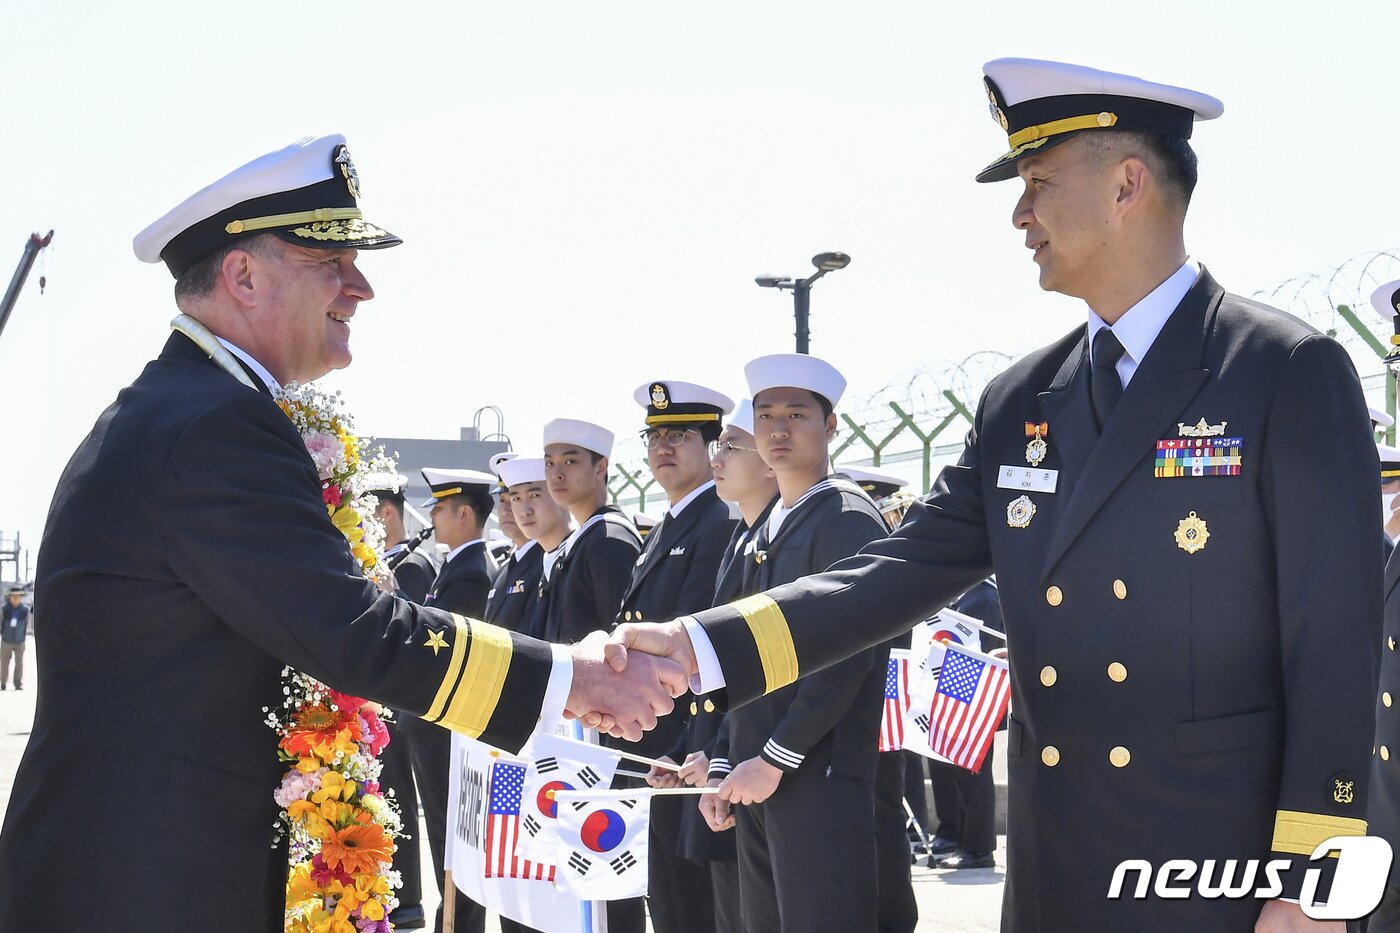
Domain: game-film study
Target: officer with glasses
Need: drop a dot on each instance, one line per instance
(675, 575)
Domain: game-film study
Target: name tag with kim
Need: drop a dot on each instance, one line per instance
(1028, 479)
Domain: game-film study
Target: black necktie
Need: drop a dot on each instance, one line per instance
(1105, 388)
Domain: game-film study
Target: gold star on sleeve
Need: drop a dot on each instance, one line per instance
(436, 642)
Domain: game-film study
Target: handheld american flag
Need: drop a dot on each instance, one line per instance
(896, 700)
(507, 781)
(972, 696)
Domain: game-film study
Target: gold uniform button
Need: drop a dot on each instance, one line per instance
(627, 616)
(1048, 676)
(1119, 757)
(1054, 596)
(709, 706)
(1391, 642)
(1050, 755)
(1385, 753)
(1120, 589)
(694, 709)
(639, 615)
(1385, 698)
(1117, 672)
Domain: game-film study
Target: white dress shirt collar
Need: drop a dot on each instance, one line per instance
(676, 510)
(524, 548)
(254, 365)
(462, 547)
(1139, 326)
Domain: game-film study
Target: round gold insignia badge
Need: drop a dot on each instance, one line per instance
(1020, 511)
(1191, 534)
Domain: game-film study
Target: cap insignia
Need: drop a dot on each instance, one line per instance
(994, 108)
(660, 400)
(347, 170)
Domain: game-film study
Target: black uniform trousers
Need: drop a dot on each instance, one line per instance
(724, 886)
(807, 855)
(898, 912)
(397, 759)
(915, 772)
(966, 805)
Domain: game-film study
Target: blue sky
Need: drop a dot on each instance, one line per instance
(586, 190)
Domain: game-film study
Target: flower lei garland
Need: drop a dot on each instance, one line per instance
(341, 826)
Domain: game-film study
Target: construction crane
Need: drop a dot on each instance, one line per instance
(32, 249)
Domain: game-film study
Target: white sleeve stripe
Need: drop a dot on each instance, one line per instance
(784, 755)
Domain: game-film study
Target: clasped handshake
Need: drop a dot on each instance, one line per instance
(624, 683)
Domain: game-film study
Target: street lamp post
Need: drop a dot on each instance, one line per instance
(802, 292)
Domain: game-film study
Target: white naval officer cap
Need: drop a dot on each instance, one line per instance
(518, 470)
(1380, 419)
(742, 418)
(583, 434)
(1390, 462)
(876, 484)
(795, 371)
(495, 461)
(306, 194)
(443, 482)
(1040, 104)
(1386, 301)
(671, 402)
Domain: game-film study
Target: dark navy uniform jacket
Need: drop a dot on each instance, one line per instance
(584, 591)
(675, 576)
(1193, 657)
(188, 557)
(515, 588)
(829, 720)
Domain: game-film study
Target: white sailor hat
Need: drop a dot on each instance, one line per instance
(1040, 104)
(519, 470)
(391, 483)
(1380, 418)
(684, 403)
(305, 194)
(796, 371)
(742, 418)
(444, 482)
(583, 434)
(1390, 462)
(877, 485)
(495, 461)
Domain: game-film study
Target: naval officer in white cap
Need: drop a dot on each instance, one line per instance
(188, 538)
(1171, 495)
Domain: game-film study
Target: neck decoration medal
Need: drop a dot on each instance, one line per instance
(1036, 448)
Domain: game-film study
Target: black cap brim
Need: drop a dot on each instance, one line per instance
(338, 234)
(1004, 168)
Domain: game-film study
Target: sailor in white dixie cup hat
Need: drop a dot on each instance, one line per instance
(1182, 430)
(584, 586)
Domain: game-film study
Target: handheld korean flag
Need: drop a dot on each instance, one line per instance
(507, 781)
(896, 700)
(603, 845)
(973, 693)
(559, 764)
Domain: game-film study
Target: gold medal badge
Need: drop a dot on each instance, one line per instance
(1191, 534)
(1020, 511)
(1036, 448)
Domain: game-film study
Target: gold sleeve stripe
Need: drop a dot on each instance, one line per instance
(774, 640)
(488, 662)
(454, 668)
(1299, 833)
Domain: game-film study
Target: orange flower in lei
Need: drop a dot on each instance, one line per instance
(357, 849)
